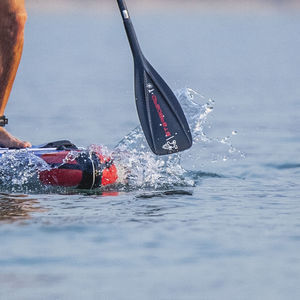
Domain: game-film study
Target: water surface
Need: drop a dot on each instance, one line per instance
(230, 230)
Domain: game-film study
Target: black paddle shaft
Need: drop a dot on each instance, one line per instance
(161, 116)
(132, 38)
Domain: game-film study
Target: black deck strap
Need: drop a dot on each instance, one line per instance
(98, 168)
(61, 145)
(3, 121)
(91, 170)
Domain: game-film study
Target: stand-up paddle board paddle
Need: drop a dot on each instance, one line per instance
(163, 121)
(68, 166)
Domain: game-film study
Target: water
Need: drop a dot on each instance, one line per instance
(229, 230)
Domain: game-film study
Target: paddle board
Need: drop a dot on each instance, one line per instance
(68, 166)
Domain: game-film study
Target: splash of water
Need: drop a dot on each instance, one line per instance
(150, 171)
(19, 171)
(138, 167)
(206, 150)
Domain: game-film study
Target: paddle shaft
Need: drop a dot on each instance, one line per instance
(161, 116)
(131, 35)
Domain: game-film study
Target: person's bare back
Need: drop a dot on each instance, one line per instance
(12, 22)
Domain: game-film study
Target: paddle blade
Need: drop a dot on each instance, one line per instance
(163, 121)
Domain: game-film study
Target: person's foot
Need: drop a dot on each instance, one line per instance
(9, 141)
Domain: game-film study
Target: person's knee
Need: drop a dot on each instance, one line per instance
(20, 18)
(15, 24)
(19, 14)
(13, 14)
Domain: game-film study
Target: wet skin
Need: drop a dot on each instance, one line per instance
(12, 23)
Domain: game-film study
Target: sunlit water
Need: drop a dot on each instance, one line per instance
(220, 221)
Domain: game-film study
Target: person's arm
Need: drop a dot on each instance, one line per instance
(12, 22)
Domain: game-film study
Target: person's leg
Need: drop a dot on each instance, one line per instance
(12, 22)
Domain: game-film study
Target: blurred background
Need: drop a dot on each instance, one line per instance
(214, 4)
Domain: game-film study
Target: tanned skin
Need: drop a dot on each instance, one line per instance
(12, 22)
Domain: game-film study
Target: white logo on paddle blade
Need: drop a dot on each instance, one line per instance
(170, 146)
(149, 86)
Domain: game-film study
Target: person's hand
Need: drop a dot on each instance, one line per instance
(9, 141)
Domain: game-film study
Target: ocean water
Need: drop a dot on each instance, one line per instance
(222, 221)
